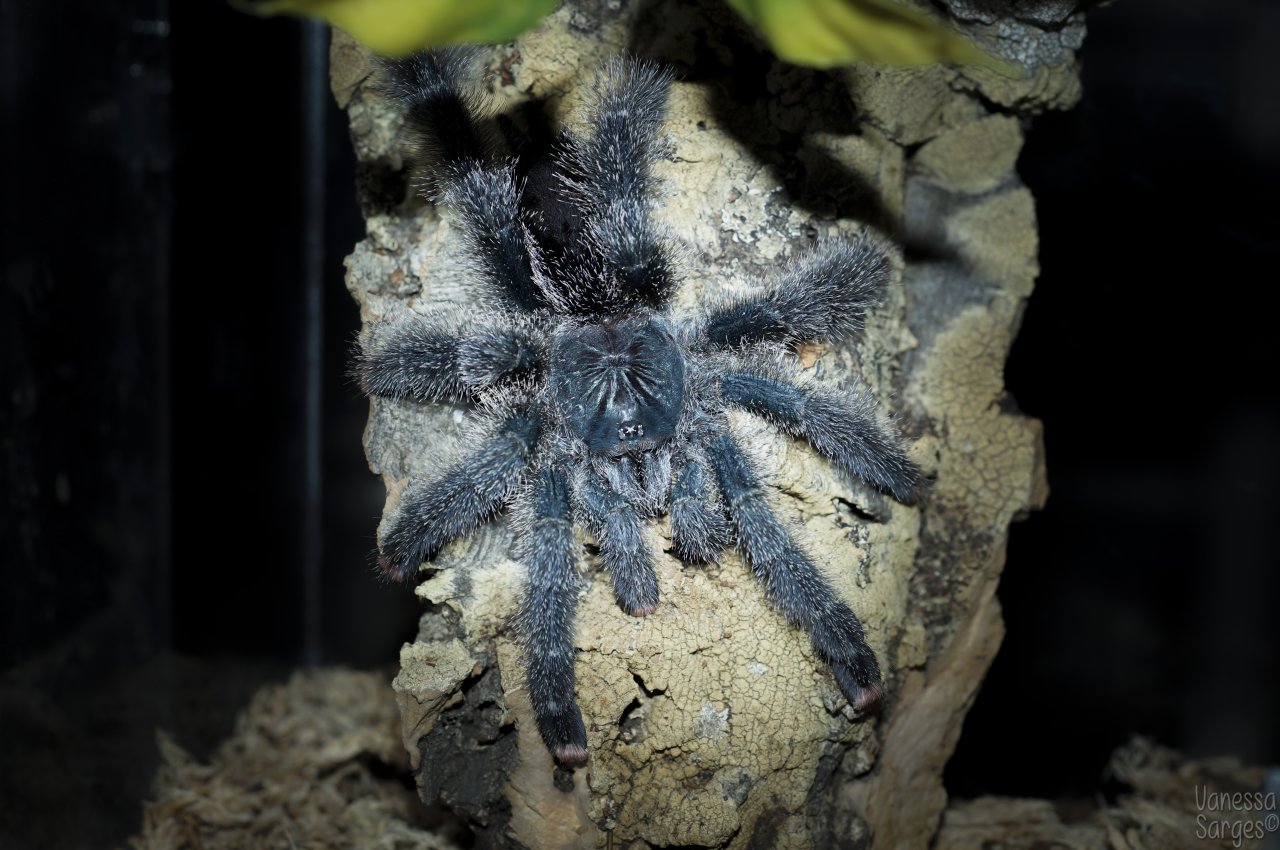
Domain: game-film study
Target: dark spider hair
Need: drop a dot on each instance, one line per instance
(608, 408)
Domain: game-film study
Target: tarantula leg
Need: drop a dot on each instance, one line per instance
(610, 175)
(841, 426)
(823, 295)
(439, 102)
(428, 360)
(432, 514)
(791, 579)
(487, 202)
(655, 481)
(619, 530)
(699, 531)
(435, 88)
(546, 619)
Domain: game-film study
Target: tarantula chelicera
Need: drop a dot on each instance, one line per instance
(607, 407)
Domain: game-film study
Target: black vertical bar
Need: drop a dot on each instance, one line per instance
(138, 292)
(146, 137)
(315, 41)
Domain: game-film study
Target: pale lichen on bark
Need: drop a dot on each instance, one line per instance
(711, 722)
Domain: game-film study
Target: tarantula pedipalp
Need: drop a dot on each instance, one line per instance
(608, 407)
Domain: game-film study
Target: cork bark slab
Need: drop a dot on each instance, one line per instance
(711, 723)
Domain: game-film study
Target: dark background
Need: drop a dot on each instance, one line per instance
(187, 514)
(1146, 597)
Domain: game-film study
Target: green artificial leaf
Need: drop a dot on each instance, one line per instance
(829, 33)
(399, 27)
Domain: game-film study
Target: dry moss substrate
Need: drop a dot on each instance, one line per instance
(315, 763)
(1167, 802)
(711, 723)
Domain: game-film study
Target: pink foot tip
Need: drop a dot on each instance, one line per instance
(869, 697)
(571, 755)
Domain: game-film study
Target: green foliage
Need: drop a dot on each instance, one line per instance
(817, 33)
(829, 33)
(399, 27)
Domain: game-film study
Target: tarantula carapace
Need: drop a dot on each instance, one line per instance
(607, 406)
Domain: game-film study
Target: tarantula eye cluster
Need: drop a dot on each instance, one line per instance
(611, 404)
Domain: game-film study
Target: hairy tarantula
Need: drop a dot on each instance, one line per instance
(607, 407)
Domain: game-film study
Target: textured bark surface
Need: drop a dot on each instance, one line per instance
(711, 723)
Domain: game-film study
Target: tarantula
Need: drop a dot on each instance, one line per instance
(607, 407)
